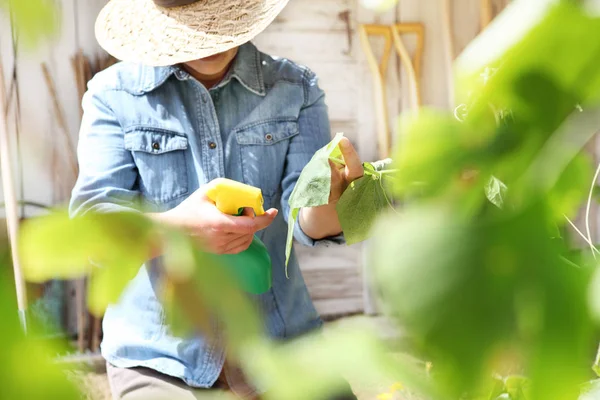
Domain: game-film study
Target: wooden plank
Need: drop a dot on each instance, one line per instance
(465, 15)
(307, 15)
(85, 14)
(308, 48)
(333, 283)
(335, 76)
(7, 61)
(434, 88)
(311, 258)
(339, 307)
(349, 129)
(380, 326)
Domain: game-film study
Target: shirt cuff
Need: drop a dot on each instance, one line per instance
(306, 240)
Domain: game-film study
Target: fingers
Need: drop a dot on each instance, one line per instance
(238, 245)
(245, 224)
(354, 167)
(248, 212)
(265, 220)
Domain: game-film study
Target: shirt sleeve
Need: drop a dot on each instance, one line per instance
(314, 133)
(107, 172)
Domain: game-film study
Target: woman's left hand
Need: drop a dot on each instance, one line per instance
(342, 176)
(320, 222)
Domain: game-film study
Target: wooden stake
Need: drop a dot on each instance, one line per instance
(81, 311)
(60, 118)
(96, 329)
(10, 200)
(77, 72)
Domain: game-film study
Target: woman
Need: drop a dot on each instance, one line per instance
(193, 102)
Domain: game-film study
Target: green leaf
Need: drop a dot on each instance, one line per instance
(56, 246)
(379, 165)
(312, 367)
(443, 275)
(590, 390)
(360, 205)
(495, 192)
(290, 235)
(27, 364)
(33, 20)
(571, 188)
(518, 387)
(313, 186)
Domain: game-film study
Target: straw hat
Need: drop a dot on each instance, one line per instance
(168, 32)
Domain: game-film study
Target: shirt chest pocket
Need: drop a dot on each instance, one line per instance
(160, 158)
(263, 148)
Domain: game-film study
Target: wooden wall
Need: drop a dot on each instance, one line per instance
(321, 35)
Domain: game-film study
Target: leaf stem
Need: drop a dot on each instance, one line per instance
(587, 211)
(584, 237)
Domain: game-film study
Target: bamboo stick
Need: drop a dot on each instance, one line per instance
(10, 200)
(60, 118)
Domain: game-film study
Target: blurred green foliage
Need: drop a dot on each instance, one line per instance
(478, 267)
(33, 21)
(475, 284)
(27, 367)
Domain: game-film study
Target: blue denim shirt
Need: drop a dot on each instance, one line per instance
(156, 135)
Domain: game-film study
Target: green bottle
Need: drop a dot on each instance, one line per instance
(252, 267)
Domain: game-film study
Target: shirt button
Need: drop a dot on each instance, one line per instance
(212, 145)
(204, 98)
(156, 146)
(269, 137)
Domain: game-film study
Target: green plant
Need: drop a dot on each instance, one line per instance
(366, 195)
(477, 265)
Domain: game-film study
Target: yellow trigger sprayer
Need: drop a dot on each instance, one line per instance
(251, 267)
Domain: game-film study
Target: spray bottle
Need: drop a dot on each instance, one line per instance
(251, 267)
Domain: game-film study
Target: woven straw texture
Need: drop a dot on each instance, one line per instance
(139, 31)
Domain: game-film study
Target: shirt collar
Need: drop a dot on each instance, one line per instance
(246, 68)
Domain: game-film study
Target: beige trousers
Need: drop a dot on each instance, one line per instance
(147, 384)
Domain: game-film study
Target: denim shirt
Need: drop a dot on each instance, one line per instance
(155, 135)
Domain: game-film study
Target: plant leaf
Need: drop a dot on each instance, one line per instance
(33, 20)
(314, 183)
(290, 235)
(313, 186)
(495, 192)
(359, 207)
(55, 246)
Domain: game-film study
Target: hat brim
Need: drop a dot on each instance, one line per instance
(139, 31)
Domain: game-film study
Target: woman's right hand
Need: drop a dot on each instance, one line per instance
(217, 232)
